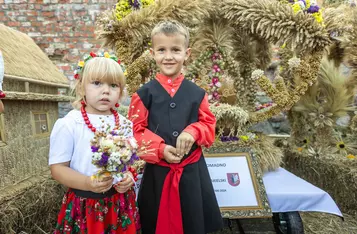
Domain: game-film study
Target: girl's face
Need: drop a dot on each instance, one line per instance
(100, 96)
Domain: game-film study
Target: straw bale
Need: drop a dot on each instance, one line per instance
(338, 178)
(30, 206)
(23, 58)
(322, 223)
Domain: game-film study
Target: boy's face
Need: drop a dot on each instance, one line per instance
(170, 52)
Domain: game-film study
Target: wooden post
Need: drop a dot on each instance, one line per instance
(27, 87)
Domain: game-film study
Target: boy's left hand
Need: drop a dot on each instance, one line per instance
(184, 143)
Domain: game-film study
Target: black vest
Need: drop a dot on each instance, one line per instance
(168, 117)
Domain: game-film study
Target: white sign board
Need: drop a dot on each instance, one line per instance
(233, 181)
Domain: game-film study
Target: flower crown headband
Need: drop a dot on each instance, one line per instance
(81, 64)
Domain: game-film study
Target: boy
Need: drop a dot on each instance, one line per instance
(176, 195)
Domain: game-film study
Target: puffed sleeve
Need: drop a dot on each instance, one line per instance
(138, 114)
(61, 142)
(203, 131)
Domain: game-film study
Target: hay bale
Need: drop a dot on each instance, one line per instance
(322, 223)
(30, 206)
(338, 178)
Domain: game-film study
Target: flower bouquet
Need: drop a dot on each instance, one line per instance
(115, 154)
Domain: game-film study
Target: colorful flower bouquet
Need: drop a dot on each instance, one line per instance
(115, 154)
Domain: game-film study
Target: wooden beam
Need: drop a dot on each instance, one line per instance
(37, 97)
(24, 79)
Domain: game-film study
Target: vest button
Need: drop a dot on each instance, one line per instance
(172, 105)
(175, 134)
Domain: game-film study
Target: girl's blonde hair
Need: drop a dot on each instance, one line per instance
(98, 69)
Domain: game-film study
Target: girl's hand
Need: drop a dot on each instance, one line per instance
(124, 185)
(99, 186)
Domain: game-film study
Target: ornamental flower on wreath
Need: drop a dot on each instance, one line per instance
(318, 152)
(309, 7)
(351, 156)
(344, 145)
(321, 118)
(125, 7)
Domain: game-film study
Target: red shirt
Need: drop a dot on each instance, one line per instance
(202, 131)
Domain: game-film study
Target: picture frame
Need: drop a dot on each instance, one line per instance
(245, 198)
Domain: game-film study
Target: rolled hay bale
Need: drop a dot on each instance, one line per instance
(337, 177)
(30, 206)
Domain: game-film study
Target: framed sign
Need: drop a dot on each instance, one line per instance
(238, 184)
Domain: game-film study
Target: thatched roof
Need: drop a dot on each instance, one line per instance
(23, 58)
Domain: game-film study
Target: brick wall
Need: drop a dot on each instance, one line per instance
(64, 29)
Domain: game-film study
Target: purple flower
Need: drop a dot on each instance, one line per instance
(124, 169)
(104, 160)
(134, 156)
(313, 9)
(94, 148)
(134, 4)
(131, 161)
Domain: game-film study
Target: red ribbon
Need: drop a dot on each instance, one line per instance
(169, 219)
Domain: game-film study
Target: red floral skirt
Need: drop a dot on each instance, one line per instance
(117, 214)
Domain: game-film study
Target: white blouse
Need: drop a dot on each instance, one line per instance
(70, 139)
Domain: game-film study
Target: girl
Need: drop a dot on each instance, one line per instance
(92, 206)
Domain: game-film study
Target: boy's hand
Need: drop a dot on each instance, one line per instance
(99, 186)
(184, 143)
(125, 184)
(170, 154)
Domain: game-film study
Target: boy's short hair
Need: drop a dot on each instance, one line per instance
(169, 27)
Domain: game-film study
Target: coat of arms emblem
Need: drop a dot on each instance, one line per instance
(233, 179)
